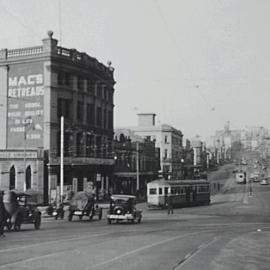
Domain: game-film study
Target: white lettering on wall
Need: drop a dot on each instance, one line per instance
(32, 79)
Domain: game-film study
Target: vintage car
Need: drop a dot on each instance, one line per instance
(83, 204)
(123, 208)
(56, 211)
(21, 208)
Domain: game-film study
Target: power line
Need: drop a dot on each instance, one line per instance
(16, 18)
(174, 43)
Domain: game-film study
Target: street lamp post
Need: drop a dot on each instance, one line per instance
(137, 168)
(27, 123)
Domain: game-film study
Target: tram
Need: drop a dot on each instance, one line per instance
(182, 192)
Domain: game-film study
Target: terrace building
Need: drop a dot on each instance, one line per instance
(38, 85)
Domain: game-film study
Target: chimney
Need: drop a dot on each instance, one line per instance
(146, 119)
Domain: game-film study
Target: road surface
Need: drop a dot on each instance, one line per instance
(233, 232)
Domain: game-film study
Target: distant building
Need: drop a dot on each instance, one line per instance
(38, 85)
(136, 163)
(168, 139)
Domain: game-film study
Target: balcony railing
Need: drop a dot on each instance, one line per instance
(25, 51)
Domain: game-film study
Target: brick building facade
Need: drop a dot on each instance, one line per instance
(37, 86)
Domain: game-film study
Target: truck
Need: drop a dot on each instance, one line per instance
(83, 204)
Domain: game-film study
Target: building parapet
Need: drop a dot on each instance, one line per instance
(83, 58)
(82, 161)
(25, 51)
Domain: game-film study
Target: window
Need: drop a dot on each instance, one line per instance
(105, 118)
(110, 119)
(79, 144)
(160, 191)
(28, 178)
(98, 90)
(60, 78)
(110, 95)
(165, 153)
(63, 78)
(80, 111)
(166, 139)
(91, 86)
(104, 91)
(67, 79)
(166, 190)
(90, 114)
(89, 144)
(99, 116)
(152, 191)
(63, 107)
(12, 178)
(80, 83)
(203, 189)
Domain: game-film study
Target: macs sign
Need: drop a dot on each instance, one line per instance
(25, 105)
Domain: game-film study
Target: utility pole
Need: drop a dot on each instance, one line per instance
(137, 167)
(61, 159)
(27, 122)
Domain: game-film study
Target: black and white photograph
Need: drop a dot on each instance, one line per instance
(135, 135)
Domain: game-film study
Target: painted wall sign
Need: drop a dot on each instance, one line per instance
(25, 105)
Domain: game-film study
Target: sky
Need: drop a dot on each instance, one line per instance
(195, 63)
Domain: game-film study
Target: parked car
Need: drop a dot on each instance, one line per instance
(21, 208)
(123, 208)
(56, 211)
(264, 182)
(83, 204)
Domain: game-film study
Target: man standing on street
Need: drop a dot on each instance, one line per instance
(169, 204)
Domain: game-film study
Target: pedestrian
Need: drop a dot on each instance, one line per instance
(169, 204)
(3, 216)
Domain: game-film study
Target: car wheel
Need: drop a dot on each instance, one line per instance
(9, 225)
(37, 222)
(17, 226)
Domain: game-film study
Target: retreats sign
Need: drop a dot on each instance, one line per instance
(25, 105)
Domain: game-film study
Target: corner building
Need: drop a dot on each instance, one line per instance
(38, 85)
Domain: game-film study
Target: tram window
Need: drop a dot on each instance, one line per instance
(160, 191)
(166, 190)
(152, 191)
(203, 188)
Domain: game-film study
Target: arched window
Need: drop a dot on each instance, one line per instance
(28, 178)
(12, 178)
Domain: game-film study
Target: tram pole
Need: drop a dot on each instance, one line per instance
(137, 168)
(62, 159)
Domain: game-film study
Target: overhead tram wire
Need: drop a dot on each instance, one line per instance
(19, 21)
(174, 43)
